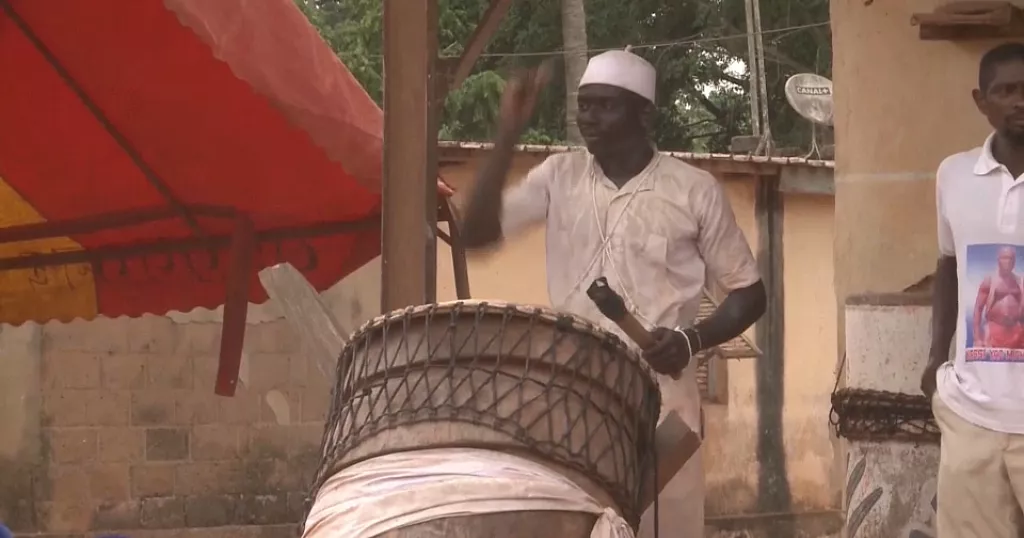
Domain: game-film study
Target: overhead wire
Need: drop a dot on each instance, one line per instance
(695, 39)
(691, 40)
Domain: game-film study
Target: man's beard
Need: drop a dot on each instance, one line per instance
(1014, 135)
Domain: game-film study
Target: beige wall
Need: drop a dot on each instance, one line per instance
(811, 333)
(902, 105)
(516, 273)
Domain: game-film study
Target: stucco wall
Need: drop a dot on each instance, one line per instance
(901, 106)
(516, 273)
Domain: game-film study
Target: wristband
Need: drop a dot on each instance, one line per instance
(700, 341)
(689, 345)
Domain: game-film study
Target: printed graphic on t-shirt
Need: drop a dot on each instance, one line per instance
(995, 314)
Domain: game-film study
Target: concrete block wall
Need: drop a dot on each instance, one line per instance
(127, 434)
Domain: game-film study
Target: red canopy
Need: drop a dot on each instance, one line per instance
(138, 137)
(226, 105)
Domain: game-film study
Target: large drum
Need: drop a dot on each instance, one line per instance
(545, 386)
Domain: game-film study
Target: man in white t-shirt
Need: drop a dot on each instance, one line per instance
(652, 225)
(978, 397)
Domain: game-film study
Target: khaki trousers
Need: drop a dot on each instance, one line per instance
(981, 479)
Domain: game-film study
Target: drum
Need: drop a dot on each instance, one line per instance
(522, 380)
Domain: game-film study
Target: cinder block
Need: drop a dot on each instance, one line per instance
(167, 444)
(316, 400)
(162, 513)
(215, 442)
(169, 372)
(242, 408)
(154, 407)
(70, 445)
(86, 407)
(66, 484)
(274, 337)
(152, 335)
(152, 480)
(272, 441)
(198, 406)
(116, 516)
(109, 482)
(70, 370)
(65, 516)
(211, 510)
(123, 371)
(268, 371)
(204, 478)
(198, 339)
(263, 509)
(298, 370)
(121, 445)
(101, 335)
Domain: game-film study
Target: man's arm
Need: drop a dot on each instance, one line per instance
(481, 225)
(944, 310)
(945, 294)
(741, 308)
(730, 262)
(487, 213)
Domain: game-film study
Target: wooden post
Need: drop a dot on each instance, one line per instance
(236, 305)
(409, 216)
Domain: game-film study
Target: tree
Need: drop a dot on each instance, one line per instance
(698, 46)
(574, 39)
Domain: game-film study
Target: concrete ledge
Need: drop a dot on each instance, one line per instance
(890, 299)
(821, 524)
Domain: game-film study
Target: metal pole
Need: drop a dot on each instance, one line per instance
(752, 68)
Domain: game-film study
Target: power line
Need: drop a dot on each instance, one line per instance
(692, 40)
(686, 41)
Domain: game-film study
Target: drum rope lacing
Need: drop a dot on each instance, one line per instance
(877, 415)
(565, 373)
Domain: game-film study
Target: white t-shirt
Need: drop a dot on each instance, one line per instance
(980, 222)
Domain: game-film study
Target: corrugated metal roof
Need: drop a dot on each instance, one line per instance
(682, 155)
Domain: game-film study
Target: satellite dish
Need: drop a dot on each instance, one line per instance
(811, 96)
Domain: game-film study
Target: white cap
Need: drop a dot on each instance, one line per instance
(622, 69)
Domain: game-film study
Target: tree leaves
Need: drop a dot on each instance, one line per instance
(700, 106)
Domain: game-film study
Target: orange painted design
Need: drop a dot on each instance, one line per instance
(62, 293)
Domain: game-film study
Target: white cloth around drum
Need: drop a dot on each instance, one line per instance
(398, 490)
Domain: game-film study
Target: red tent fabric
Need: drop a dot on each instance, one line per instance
(204, 109)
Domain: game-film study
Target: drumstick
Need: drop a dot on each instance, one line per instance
(613, 307)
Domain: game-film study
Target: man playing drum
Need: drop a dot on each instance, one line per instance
(653, 225)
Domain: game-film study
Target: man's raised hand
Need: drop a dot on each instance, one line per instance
(520, 98)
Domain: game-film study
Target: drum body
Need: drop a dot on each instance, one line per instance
(525, 380)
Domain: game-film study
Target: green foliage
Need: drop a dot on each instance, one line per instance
(703, 103)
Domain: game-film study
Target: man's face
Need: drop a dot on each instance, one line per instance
(1007, 259)
(607, 116)
(1003, 101)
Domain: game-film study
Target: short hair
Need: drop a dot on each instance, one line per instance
(1005, 53)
